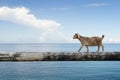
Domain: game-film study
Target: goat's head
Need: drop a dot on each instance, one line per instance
(76, 36)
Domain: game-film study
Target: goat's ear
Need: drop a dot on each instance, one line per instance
(78, 35)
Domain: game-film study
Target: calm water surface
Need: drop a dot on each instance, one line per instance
(64, 70)
(53, 47)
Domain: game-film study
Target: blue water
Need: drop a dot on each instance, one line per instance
(53, 47)
(64, 70)
(56, 70)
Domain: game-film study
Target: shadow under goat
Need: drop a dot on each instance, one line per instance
(89, 41)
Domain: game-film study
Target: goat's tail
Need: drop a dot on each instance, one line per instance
(103, 36)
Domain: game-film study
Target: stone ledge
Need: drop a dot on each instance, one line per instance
(60, 56)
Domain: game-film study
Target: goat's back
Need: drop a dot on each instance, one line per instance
(91, 41)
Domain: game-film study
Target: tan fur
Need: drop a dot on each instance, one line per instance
(89, 41)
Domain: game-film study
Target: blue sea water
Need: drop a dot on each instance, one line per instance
(58, 70)
(64, 70)
(53, 47)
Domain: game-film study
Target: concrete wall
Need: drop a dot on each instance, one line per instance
(60, 56)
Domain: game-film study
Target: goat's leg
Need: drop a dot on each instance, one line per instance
(87, 48)
(80, 48)
(98, 48)
(102, 47)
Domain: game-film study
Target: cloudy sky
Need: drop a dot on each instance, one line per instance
(56, 21)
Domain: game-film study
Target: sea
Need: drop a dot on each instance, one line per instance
(58, 70)
(54, 47)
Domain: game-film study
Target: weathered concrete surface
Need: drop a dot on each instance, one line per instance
(59, 56)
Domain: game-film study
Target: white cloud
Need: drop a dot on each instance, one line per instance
(22, 15)
(50, 29)
(96, 5)
(56, 36)
(111, 40)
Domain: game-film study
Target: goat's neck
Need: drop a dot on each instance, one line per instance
(80, 38)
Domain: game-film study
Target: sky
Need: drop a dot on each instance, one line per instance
(56, 21)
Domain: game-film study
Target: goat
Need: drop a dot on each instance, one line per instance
(89, 41)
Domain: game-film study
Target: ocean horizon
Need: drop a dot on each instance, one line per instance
(54, 47)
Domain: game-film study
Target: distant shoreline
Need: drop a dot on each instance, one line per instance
(59, 56)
